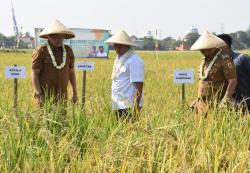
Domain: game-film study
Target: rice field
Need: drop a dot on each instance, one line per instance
(166, 138)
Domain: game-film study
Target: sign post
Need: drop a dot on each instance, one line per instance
(84, 66)
(15, 72)
(83, 88)
(15, 94)
(182, 77)
(183, 98)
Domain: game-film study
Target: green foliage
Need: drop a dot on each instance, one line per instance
(191, 38)
(149, 43)
(241, 39)
(10, 42)
(169, 43)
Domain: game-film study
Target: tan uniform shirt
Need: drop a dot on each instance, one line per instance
(53, 82)
(214, 87)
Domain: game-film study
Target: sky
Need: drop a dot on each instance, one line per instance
(137, 17)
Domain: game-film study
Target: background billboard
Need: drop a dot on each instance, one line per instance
(88, 43)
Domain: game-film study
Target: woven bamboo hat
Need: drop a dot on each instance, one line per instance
(208, 41)
(56, 27)
(121, 38)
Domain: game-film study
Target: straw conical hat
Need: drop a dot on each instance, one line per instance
(121, 38)
(207, 41)
(56, 27)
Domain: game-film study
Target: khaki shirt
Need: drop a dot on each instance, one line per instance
(214, 87)
(53, 82)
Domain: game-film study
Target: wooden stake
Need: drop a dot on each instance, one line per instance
(183, 93)
(15, 94)
(83, 89)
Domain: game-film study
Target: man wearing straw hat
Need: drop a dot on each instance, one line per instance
(53, 65)
(127, 77)
(217, 74)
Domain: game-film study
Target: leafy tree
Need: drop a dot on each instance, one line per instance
(2, 39)
(149, 43)
(191, 38)
(168, 43)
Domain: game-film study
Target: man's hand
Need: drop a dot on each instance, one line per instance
(138, 95)
(40, 98)
(226, 103)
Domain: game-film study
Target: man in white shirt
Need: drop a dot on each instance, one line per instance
(127, 77)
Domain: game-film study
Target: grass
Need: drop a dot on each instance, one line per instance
(167, 138)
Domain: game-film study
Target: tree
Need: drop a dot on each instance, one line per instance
(149, 43)
(168, 43)
(191, 38)
(236, 43)
(2, 40)
(243, 38)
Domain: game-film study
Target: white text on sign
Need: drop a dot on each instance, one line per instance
(85, 66)
(14, 72)
(184, 76)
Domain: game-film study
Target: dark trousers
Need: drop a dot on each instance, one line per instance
(128, 115)
(123, 114)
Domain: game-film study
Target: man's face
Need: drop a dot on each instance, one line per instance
(101, 49)
(207, 52)
(227, 50)
(56, 40)
(121, 49)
